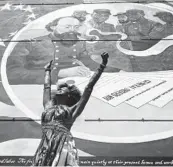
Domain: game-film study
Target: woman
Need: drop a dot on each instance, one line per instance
(61, 108)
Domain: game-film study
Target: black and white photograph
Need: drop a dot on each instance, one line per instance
(86, 83)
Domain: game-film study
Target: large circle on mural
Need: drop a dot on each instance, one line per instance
(28, 97)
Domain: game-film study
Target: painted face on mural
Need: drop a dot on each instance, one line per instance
(67, 30)
(165, 16)
(122, 18)
(100, 15)
(134, 15)
(67, 25)
(80, 15)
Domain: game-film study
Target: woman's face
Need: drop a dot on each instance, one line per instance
(67, 95)
(62, 90)
(62, 95)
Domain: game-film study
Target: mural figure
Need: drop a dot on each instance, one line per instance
(62, 44)
(27, 60)
(61, 108)
(80, 15)
(108, 38)
(138, 29)
(99, 18)
(123, 20)
(76, 57)
(166, 29)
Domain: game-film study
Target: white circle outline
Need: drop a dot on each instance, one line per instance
(80, 135)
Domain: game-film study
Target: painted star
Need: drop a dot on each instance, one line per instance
(19, 7)
(2, 43)
(32, 16)
(7, 6)
(28, 9)
(12, 34)
(27, 22)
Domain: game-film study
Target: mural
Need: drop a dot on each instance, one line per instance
(134, 42)
(136, 84)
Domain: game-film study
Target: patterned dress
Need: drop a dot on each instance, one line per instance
(57, 147)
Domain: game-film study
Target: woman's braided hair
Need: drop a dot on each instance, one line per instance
(74, 95)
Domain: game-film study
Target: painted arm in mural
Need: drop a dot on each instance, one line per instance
(87, 60)
(157, 31)
(78, 108)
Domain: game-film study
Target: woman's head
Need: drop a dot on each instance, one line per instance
(66, 95)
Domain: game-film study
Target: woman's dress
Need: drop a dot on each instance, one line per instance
(57, 147)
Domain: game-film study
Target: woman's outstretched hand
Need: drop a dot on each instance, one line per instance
(105, 57)
(48, 66)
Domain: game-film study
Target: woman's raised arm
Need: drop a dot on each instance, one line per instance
(78, 108)
(47, 84)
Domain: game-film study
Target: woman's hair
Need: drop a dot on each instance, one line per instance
(74, 95)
